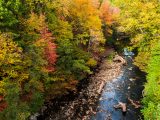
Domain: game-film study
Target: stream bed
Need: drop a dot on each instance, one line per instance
(95, 102)
(128, 85)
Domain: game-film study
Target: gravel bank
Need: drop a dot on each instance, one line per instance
(85, 104)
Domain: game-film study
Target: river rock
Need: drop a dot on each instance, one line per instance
(34, 117)
(84, 104)
(122, 106)
(120, 59)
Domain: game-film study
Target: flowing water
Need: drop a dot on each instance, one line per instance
(128, 85)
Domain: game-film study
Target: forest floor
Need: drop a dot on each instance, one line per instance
(84, 105)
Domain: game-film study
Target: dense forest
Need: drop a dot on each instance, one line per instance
(48, 46)
(140, 19)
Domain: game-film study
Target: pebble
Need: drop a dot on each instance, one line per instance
(132, 79)
(130, 68)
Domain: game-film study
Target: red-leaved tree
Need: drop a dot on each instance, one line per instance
(50, 53)
(3, 104)
(108, 12)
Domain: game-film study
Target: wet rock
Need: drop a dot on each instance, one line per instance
(132, 79)
(84, 104)
(100, 99)
(34, 117)
(122, 106)
(136, 104)
(120, 59)
(130, 68)
(87, 112)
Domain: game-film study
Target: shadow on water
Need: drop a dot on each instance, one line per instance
(128, 85)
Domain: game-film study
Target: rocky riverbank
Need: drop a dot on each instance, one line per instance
(85, 104)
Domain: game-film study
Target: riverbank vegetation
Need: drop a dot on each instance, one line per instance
(140, 20)
(46, 48)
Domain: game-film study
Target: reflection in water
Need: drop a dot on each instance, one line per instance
(127, 85)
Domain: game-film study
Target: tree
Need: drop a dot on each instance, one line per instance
(83, 15)
(46, 46)
(9, 11)
(12, 75)
(49, 49)
(141, 20)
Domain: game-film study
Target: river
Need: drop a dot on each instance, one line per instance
(121, 85)
(129, 84)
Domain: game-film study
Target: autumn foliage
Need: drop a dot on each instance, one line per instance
(141, 21)
(105, 12)
(108, 12)
(3, 104)
(49, 49)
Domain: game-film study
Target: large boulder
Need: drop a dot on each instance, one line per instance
(121, 106)
(120, 59)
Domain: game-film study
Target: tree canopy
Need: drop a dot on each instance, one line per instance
(140, 19)
(47, 46)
